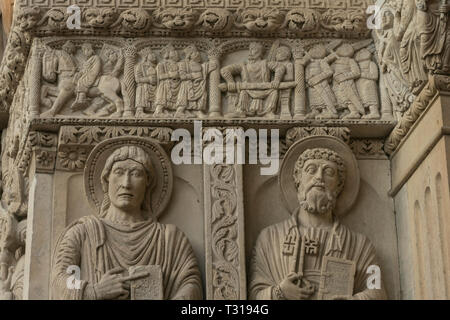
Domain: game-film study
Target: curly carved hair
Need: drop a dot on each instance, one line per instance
(121, 154)
(320, 153)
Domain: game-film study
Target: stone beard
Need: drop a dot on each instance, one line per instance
(319, 176)
(121, 239)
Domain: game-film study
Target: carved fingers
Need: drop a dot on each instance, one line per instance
(292, 290)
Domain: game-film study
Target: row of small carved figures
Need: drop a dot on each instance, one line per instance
(213, 19)
(181, 86)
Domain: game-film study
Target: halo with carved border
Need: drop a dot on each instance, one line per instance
(161, 188)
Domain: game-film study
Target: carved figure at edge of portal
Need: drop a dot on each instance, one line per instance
(367, 83)
(312, 255)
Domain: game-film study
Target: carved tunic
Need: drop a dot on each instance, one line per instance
(367, 85)
(319, 91)
(89, 74)
(169, 84)
(145, 75)
(193, 94)
(256, 101)
(271, 264)
(346, 70)
(98, 245)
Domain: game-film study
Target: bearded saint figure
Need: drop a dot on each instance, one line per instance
(123, 236)
(289, 257)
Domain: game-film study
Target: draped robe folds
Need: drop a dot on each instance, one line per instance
(98, 245)
(270, 265)
(89, 74)
(434, 35)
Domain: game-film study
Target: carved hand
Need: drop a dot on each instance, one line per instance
(112, 286)
(275, 84)
(292, 291)
(231, 86)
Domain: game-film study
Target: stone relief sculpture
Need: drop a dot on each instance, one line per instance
(257, 20)
(300, 20)
(259, 89)
(322, 101)
(175, 18)
(124, 243)
(193, 93)
(406, 32)
(97, 77)
(432, 19)
(146, 80)
(312, 255)
(169, 82)
(395, 91)
(367, 83)
(12, 256)
(345, 73)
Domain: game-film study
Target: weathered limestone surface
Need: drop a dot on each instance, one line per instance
(356, 111)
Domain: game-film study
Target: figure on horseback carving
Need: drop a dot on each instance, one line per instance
(97, 78)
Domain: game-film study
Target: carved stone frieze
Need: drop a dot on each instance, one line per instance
(163, 79)
(346, 19)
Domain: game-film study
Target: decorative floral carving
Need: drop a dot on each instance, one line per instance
(368, 148)
(215, 19)
(224, 232)
(72, 158)
(410, 116)
(301, 20)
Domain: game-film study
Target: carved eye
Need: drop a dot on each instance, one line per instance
(311, 169)
(118, 171)
(249, 17)
(337, 20)
(356, 21)
(329, 172)
(137, 173)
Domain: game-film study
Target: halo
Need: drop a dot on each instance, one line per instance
(347, 197)
(162, 189)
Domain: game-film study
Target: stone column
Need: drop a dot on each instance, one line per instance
(300, 89)
(215, 95)
(39, 220)
(129, 80)
(35, 80)
(224, 227)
